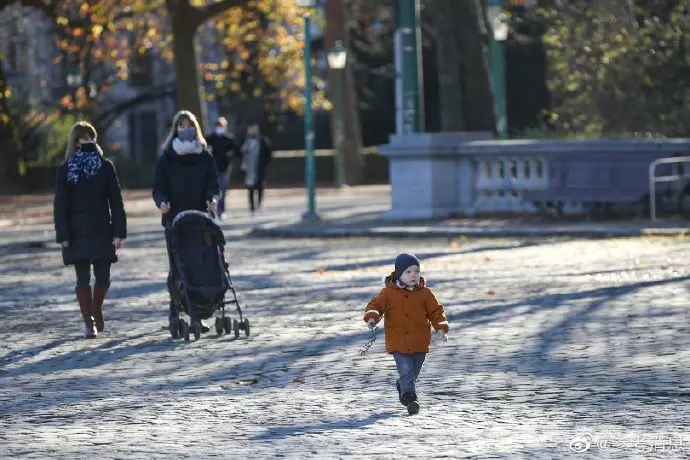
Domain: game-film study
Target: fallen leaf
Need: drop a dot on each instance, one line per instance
(453, 244)
(320, 271)
(491, 293)
(88, 347)
(487, 259)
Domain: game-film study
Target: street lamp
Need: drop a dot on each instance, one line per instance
(337, 60)
(498, 21)
(310, 215)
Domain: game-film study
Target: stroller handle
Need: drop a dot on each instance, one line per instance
(168, 219)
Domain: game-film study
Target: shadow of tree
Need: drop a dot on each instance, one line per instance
(273, 434)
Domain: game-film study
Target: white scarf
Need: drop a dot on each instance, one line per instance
(185, 147)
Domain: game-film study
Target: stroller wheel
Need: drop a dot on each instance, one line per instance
(236, 328)
(219, 326)
(185, 331)
(246, 327)
(174, 328)
(227, 325)
(196, 328)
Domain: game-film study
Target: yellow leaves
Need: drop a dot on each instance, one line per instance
(4, 118)
(97, 30)
(66, 101)
(62, 21)
(8, 93)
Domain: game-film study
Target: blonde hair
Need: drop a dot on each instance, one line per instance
(80, 130)
(180, 116)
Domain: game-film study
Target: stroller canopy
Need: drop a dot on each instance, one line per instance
(192, 222)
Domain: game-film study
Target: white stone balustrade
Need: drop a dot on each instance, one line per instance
(443, 174)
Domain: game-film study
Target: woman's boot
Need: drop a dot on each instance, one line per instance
(85, 305)
(99, 293)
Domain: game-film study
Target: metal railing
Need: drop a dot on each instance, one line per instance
(653, 179)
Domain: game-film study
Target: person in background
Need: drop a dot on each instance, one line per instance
(256, 154)
(223, 146)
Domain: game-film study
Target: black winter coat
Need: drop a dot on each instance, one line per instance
(185, 181)
(220, 145)
(89, 214)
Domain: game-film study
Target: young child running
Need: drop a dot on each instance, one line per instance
(408, 306)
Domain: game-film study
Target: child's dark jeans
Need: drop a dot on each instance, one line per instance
(409, 367)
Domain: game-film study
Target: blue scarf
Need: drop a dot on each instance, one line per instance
(84, 164)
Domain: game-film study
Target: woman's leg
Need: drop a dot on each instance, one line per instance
(83, 271)
(83, 292)
(250, 190)
(101, 271)
(260, 192)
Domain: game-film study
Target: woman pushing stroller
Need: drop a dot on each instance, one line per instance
(186, 176)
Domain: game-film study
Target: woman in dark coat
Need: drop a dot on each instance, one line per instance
(90, 220)
(186, 175)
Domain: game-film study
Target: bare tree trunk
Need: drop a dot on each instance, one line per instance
(337, 29)
(9, 146)
(471, 29)
(449, 63)
(189, 85)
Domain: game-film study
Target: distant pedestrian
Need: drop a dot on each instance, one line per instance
(410, 309)
(223, 146)
(90, 220)
(256, 154)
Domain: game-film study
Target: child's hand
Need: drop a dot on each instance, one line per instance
(442, 335)
(165, 207)
(371, 322)
(117, 242)
(64, 244)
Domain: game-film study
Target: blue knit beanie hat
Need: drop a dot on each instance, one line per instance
(403, 261)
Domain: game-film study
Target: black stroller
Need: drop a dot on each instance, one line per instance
(199, 276)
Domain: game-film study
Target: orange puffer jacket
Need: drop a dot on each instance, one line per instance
(408, 314)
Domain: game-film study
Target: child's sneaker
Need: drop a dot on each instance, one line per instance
(400, 398)
(412, 407)
(409, 399)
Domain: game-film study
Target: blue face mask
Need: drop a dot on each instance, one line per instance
(186, 134)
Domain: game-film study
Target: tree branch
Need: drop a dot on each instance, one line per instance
(49, 8)
(114, 111)
(213, 9)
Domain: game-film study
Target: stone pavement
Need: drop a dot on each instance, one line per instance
(551, 339)
(353, 212)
